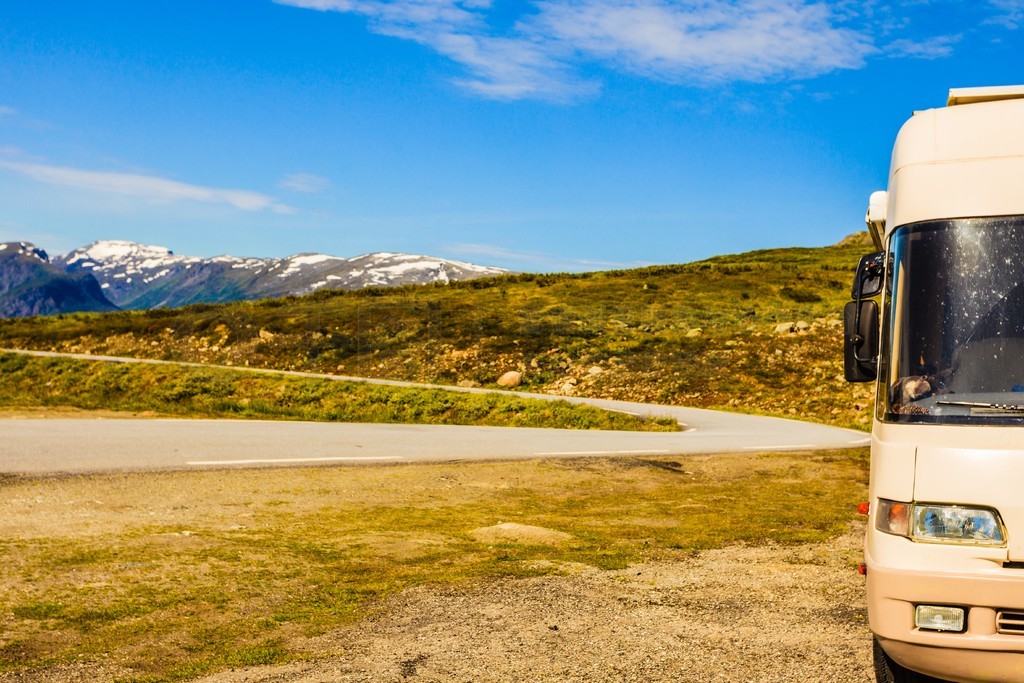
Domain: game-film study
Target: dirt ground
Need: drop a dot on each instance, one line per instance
(737, 614)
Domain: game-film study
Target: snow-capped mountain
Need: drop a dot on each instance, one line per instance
(139, 276)
(31, 285)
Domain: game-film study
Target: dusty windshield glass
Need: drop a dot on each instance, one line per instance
(955, 333)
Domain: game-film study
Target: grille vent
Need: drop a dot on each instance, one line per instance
(1010, 623)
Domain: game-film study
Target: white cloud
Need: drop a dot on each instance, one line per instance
(304, 182)
(151, 188)
(749, 40)
(1011, 13)
(695, 42)
(11, 151)
(396, 15)
(498, 67)
(549, 52)
(534, 260)
(512, 69)
(933, 48)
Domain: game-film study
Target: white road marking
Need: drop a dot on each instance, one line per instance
(774, 447)
(286, 460)
(866, 439)
(604, 453)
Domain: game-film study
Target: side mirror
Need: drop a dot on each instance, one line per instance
(860, 341)
(870, 276)
(860, 320)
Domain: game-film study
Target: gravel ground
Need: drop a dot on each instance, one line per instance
(765, 613)
(737, 614)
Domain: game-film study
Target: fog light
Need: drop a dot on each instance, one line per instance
(939, 618)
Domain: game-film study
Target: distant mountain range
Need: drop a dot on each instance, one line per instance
(108, 275)
(31, 285)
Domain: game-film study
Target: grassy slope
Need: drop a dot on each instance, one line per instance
(700, 334)
(215, 392)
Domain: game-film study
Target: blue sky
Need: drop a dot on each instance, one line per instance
(542, 135)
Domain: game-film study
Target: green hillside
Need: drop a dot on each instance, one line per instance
(226, 393)
(700, 334)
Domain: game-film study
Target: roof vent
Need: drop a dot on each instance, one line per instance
(990, 94)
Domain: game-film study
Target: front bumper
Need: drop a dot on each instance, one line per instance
(981, 653)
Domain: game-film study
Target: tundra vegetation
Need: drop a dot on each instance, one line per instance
(705, 334)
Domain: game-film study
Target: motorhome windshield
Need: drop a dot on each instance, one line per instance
(954, 338)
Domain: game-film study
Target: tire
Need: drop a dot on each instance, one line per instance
(888, 671)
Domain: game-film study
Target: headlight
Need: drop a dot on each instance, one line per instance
(956, 524)
(938, 523)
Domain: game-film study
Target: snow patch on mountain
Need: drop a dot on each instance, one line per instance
(117, 251)
(25, 249)
(108, 259)
(144, 276)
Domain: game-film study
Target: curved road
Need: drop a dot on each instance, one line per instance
(99, 445)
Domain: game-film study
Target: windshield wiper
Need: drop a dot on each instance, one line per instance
(1014, 407)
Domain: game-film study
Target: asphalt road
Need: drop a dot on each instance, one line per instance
(32, 446)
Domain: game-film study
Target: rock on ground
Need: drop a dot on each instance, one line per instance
(506, 532)
(510, 379)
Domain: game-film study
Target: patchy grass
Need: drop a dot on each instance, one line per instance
(169, 576)
(214, 392)
(700, 334)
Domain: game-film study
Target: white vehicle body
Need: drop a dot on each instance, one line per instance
(945, 543)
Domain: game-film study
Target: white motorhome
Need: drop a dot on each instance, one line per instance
(938, 321)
